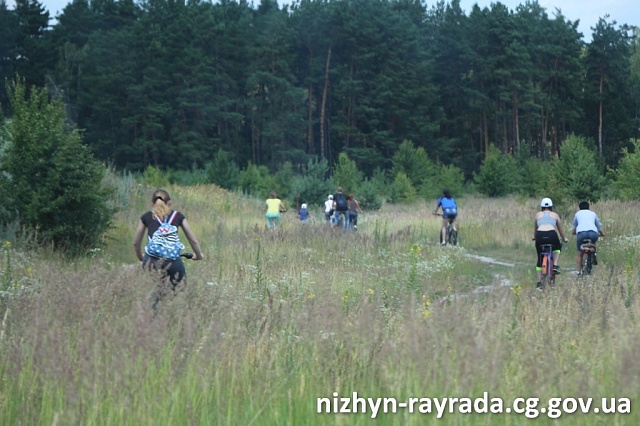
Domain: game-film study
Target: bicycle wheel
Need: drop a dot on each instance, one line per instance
(588, 263)
(545, 265)
(454, 237)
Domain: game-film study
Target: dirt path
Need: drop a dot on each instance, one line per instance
(500, 281)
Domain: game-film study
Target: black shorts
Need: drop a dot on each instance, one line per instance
(546, 237)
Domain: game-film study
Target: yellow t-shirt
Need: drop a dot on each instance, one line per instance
(273, 205)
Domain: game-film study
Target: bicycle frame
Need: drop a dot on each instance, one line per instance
(548, 277)
(451, 235)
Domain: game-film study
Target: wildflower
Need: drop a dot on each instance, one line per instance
(516, 289)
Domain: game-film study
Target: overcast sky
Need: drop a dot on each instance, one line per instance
(587, 11)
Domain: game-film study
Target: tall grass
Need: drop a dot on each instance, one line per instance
(270, 321)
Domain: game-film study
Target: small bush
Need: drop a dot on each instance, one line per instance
(402, 191)
(627, 176)
(499, 174)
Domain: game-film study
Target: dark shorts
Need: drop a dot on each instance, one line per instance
(449, 213)
(586, 235)
(546, 237)
(174, 269)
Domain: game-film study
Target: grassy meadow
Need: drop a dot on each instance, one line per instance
(272, 320)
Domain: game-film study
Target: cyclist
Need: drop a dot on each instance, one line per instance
(340, 208)
(328, 208)
(546, 227)
(586, 226)
(449, 213)
(353, 207)
(273, 207)
(304, 214)
(150, 221)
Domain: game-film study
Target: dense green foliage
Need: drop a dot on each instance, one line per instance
(50, 181)
(412, 98)
(173, 83)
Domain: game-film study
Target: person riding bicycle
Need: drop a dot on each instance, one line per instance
(449, 213)
(340, 207)
(151, 222)
(546, 227)
(586, 226)
(273, 209)
(328, 208)
(303, 214)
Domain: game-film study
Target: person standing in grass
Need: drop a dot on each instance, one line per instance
(449, 212)
(546, 227)
(168, 266)
(273, 209)
(586, 226)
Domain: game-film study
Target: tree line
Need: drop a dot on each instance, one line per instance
(170, 84)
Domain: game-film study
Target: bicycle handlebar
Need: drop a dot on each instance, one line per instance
(187, 255)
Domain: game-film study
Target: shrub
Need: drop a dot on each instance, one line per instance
(575, 174)
(627, 176)
(311, 185)
(368, 196)
(402, 191)
(414, 163)
(256, 180)
(498, 175)
(448, 176)
(223, 171)
(346, 174)
(49, 178)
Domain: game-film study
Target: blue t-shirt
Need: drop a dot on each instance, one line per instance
(303, 214)
(447, 203)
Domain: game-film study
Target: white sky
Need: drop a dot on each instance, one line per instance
(587, 11)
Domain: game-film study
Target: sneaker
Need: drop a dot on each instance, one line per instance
(556, 270)
(443, 243)
(577, 273)
(595, 258)
(539, 286)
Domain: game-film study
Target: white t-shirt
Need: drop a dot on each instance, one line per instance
(586, 220)
(328, 205)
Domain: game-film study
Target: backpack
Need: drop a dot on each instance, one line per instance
(341, 202)
(165, 243)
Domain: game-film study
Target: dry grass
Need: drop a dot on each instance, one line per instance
(273, 320)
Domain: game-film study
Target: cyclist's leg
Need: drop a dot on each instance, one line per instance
(445, 221)
(539, 241)
(557, 247)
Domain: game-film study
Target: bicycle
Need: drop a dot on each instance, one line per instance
(589, 257)
(165, 284)
(548, 276)
(451, 234)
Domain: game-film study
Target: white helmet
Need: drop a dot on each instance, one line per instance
(330, 197)
(546, 202)
(304, 206)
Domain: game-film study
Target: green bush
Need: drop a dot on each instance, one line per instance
(368, 196)
(223, 171)
(627, 176)
(414, 163)
(499, 174)
(257, 181)
(311, 185)
(49, 179)
(576, 173)
(346, 174)
(402, 191)
(448, 176)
